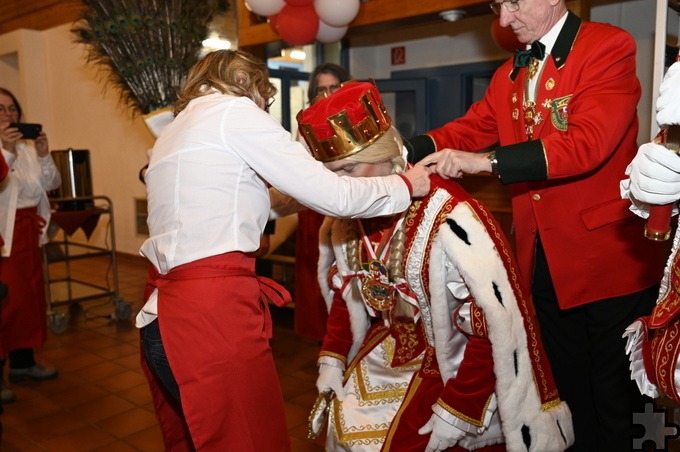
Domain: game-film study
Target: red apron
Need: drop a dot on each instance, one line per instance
(216, 328)
(24, 311)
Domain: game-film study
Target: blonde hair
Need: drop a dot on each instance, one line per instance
(232, 72)
(387, 147)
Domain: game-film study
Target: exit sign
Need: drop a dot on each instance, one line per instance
(398, 55)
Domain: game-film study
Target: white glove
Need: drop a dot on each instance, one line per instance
(444, 435)
(668, 103)
(330, 377)
(655, 175)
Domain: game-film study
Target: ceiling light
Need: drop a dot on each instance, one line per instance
(216, 44)
(298, 55)
(452, 15)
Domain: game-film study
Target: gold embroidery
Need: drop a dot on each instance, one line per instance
(334, 355)
(532, 69)
(476, 422)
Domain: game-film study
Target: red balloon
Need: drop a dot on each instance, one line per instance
(298, 25)
(504, 37)
(299, 2)
(273, 22)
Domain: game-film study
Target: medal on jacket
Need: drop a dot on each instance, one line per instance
(376, 289)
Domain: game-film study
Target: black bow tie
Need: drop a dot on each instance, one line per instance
(523, 57)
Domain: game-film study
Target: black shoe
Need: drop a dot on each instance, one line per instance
(6, 395)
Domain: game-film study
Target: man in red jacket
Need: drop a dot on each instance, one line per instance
(562, 120)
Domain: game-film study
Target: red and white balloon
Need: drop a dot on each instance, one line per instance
(301, 22)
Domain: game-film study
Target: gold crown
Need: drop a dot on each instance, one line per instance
(345, 138)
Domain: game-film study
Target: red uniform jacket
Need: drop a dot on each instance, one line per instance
(565, 180)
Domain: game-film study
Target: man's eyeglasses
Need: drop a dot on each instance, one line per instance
(327, 89)
(512, 6)
(269, 104)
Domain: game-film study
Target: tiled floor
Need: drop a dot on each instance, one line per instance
(101, 400)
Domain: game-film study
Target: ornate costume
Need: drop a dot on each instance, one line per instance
(470, 349)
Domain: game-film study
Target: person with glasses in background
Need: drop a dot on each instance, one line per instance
(311, 312)
(326, 79)
(205, 325)
(561, 120)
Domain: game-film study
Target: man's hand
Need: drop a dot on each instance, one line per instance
(419, 177)
(444, 435)
(450, 163)
(655, 175)
(330, 377)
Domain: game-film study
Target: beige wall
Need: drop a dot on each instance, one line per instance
(57, 88)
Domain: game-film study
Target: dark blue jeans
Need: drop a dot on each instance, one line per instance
(154, 353)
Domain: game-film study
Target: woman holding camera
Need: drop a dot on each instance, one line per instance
(24, 216)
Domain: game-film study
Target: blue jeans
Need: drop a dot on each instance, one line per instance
(154, 353)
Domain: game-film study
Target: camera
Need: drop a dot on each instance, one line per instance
(29, 131)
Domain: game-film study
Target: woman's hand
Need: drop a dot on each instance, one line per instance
(9, 136)
(419, 178)
(41, 145)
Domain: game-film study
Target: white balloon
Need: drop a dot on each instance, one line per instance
(265, 8)
(328, 34)
(336, 13)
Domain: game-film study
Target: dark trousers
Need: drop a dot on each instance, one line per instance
(154, 353)
(587, 354)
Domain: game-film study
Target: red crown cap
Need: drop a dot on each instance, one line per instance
(345, 122)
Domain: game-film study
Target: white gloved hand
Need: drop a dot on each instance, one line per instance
(444, 435)
(668, 103)
(655, 175)
(330, 377)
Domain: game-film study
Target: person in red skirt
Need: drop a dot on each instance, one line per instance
(24, 216)
(205, 326)
(311, 311)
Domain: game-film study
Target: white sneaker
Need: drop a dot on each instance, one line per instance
(35, 372)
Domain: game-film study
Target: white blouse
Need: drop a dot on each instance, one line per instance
(206, 182)
(206, 186)
(29, 179)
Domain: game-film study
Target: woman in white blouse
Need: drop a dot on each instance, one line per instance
(24, 215)
(212, 374)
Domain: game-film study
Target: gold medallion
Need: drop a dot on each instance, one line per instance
(550, 84)
(376, 288)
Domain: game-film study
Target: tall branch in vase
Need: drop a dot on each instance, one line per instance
(145, 47)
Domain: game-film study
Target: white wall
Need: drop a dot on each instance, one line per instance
(57, 88)
(469, 40)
